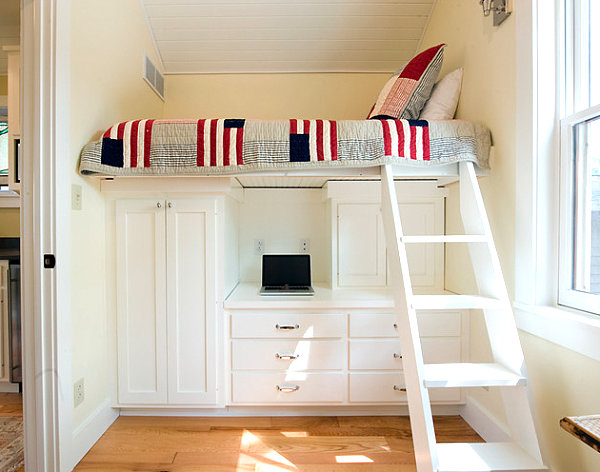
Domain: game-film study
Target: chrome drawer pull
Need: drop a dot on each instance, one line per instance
(400, 389)
(287, 326)
(397, 356)
(288, 388)
(287, 357)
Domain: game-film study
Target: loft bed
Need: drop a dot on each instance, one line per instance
(415, 149)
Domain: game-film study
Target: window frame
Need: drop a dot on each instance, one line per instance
(574, 93)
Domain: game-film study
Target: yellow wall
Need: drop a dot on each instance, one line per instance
(272, 96)
(9, 223)
(3, 84)
(563, 382)
(108, 40)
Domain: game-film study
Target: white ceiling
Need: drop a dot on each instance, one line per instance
(9, 29)
(245, 36)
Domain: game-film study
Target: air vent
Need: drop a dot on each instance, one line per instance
(154, 78)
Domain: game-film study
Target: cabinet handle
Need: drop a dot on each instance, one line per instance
(287, 326)
(288, 388)
(395, 325)
(287, 357)
(170, 204)
(158, 205)
(397, 356)
(399, 389)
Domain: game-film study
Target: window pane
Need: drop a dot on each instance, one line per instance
(594, 55)
(3, 148)
(586, 236)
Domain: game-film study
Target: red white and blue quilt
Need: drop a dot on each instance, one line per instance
(233, 146)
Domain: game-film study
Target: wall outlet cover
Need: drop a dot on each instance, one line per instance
(78, 393)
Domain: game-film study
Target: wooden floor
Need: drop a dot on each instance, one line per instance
(301, 444)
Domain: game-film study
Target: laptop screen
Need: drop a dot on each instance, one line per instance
(285, 269)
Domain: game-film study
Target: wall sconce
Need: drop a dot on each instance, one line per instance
(500, 8)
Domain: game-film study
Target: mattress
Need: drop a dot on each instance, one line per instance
(235, 146)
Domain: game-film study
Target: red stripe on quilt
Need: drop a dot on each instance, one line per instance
(121, 130)
(413, 142)
(213, 142)
(400, 131)
(426, 146)
(226, 145)
(107, 133)
(134, 142)
(320, 155)
(147, 142)
(387, 138)
(306, 126)
(200, 143)
(293, 127)
(333, 140)
(239, 146)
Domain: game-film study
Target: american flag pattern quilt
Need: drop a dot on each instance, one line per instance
(232, 146)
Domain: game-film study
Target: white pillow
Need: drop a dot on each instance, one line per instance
(444, 98)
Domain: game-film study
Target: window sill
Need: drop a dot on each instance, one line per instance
(10, 200)
(575, 330)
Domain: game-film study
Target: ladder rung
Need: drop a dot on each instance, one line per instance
(485, 457)
(446, 238)
(471, 375)
(454, 302)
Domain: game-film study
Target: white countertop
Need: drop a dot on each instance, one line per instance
(247, 296)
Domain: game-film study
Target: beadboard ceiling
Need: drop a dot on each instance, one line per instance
(9, 29)
(254, 36)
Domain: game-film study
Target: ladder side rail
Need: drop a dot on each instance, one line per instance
(419, 405)
(501, 324)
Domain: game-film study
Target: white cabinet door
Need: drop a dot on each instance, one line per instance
(361, 246)
(191, 301)
(141, 302)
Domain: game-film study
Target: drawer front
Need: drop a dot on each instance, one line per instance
(247, 354)
(379, 387)
(294, 388)
(381, 325)
(382, 354)
(288, 325)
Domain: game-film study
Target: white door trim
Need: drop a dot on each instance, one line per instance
(45, 70)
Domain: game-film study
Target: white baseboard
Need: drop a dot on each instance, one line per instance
(88, 432)
(483, 422)
(7, 387)
(242, 411)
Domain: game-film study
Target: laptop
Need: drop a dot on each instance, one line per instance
(286, 274)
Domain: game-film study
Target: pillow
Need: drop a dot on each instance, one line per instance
(444, 98)
(405, 94)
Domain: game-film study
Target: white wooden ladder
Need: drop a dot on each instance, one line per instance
(507, 372)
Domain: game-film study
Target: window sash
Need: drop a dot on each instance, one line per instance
(572, 201)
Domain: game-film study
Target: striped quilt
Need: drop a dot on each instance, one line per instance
(232, 146)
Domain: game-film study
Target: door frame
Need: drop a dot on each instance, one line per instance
(45, 229)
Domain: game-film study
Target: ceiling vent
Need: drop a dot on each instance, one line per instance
(154, 78)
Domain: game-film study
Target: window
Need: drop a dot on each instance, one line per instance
(579, 243)
(3, 151)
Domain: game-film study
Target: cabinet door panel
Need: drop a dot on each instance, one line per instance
(361, 246)
(191, 301)
(141, 306)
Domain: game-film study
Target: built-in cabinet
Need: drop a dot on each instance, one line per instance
(177, 261)
(166, 301)
(5, 331)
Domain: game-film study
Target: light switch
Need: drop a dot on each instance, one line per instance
(76, 197)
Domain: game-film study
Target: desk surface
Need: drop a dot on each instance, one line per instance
(585, 428)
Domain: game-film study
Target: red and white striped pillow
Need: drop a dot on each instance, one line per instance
(404, 95)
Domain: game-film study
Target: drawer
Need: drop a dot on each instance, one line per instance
(379, 387)
(303, 388)
(288, 325)
(381, 325)
(381, 354)
(247, 354)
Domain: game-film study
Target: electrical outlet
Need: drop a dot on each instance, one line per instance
(305, 245)
(76, 197)
(259, 246)
(78, 392)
